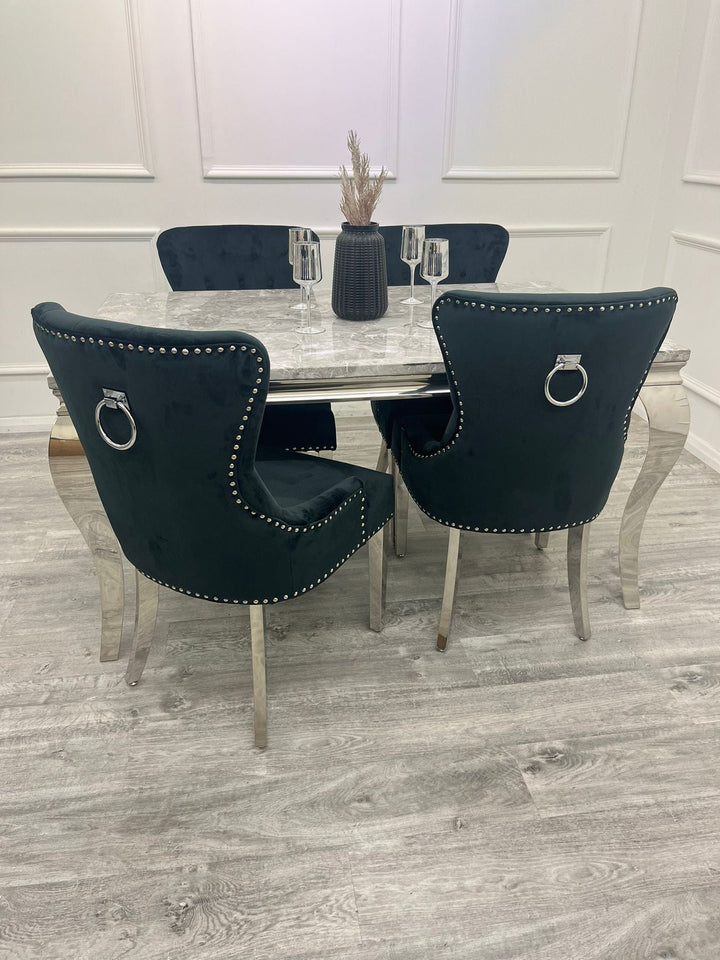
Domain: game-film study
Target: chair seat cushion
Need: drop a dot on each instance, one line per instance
(298, 426)
(296, 481)
(435, 413)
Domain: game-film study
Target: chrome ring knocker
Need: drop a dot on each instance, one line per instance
(566, 361)
(116, 400)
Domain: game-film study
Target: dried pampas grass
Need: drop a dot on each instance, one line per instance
(359, 191)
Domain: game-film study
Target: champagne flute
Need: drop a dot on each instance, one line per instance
(297, 235)
(307, 270)
(435, 267)
(410, 253)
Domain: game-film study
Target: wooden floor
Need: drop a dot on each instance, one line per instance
(525, 796)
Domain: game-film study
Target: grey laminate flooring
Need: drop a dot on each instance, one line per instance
(525, 795)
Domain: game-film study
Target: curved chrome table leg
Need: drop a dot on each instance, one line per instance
(75, 486)
(666, 404)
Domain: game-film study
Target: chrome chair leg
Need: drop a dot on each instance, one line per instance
(383, 458)
(577, 549)
(146, 605)
(451, 572)
(402, 505)
(378, 579)
(257, 642)
(542, 538)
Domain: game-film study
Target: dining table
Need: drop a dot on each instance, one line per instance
(392, 357)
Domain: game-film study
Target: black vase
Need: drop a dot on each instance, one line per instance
(360, 275)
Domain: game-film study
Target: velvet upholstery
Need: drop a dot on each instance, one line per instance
(477, 251)
(247, 257)
(506, 460)
(192, 506)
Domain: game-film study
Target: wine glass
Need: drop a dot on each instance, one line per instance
(307, 270)
(410, 253)
(435, 267)
(296, 235)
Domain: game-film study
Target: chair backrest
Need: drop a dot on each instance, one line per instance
(477, 251)
(185, 500)
(510, 460)
(238, 256)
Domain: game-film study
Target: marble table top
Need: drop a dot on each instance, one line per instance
(391, 348)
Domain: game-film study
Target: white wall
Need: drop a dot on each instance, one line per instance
(566, 120)
(686, 240)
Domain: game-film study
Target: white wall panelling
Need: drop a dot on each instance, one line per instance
(568, 122)
(44, 264)
(693, 267)
(574, 256)
(90, 119)
(539, 90)
(298, 76)
(702, 164)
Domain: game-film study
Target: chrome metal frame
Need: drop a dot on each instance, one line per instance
(577, 562)
(146, 607)
(668, 412)
(577, 551)
(451, 575)
(259, 674)
(377, 573)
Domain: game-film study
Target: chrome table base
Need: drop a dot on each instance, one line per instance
(668, 412)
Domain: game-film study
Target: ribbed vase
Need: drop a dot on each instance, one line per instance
(360, 275)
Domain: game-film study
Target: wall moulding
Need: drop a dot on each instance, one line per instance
(227, 155)
(704, 117)
(78, 233)
(598, 234)
(694, 240)
(81, 170)
(455, 170)
(702, 389)
(23, 370)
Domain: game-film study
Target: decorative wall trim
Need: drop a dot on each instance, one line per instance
(453, 171)
(105, 171)
(703, 451)
(602, 231)
(562, 230)
(280, 172)
(23, 370)
(78, 233)
(215, 171)
(693, 240)
(702, 93)
(702, 389)
(93, 235)
(712, 178)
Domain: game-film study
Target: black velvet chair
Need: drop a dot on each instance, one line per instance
(243, 256)
(477, 251)
(542, 388)
(169, 421)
